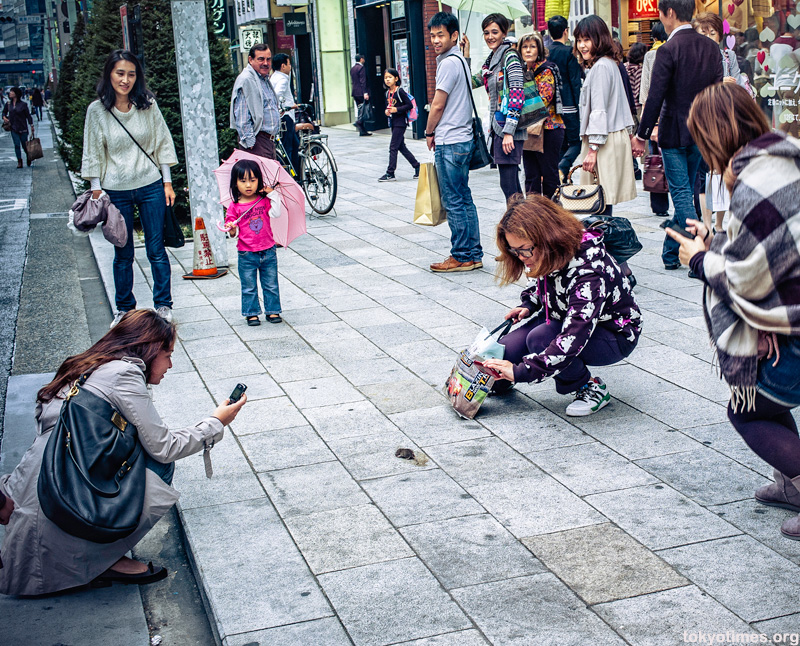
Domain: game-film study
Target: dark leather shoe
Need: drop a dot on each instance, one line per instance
(672, 267)
(152, 575)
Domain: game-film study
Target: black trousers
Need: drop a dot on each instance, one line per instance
(541, 168)
(291, 142)
(398, 144)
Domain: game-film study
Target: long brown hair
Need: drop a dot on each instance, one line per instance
(595, 29)
(554, 233)
(723, 118)
(140, 333)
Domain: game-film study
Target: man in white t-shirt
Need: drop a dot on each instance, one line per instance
(449, 134)
(282, 84)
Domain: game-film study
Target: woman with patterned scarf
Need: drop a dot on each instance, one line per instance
(504, 81)
(752, 281)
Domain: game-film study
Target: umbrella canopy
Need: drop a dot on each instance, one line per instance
(292, 222)
(510, 8)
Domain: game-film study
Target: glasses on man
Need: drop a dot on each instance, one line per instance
(521, 252)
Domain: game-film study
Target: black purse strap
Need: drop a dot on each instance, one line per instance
(505, 324)
(469, 85)
(111, 112)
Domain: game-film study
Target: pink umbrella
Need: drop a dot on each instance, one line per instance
(292, 222)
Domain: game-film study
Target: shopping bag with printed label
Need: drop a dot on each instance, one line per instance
(469, 383)
(428, 208)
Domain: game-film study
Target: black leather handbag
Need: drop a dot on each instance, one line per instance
(481, 156)
(92, 480)
(619, 237)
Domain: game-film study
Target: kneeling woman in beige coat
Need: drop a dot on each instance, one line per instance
(37, 556)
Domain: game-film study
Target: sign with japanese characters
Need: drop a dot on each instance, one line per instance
(249, 36)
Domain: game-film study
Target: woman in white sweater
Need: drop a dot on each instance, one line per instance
(127, 152)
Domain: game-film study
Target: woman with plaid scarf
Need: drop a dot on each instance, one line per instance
(751, 273)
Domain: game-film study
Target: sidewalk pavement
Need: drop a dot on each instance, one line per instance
(636, 525)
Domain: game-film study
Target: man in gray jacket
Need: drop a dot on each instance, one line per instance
(254, 105)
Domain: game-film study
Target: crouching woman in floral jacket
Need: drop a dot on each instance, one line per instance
(581, 308)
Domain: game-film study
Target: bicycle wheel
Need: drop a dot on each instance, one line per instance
(319, 178)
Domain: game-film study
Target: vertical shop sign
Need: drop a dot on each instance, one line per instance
(219, 22)
(282, 41)
(401, 60)
(249, 36)
(251, 10)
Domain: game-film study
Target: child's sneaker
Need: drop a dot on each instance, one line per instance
(416, 173)
(589, 399)
(387, 178)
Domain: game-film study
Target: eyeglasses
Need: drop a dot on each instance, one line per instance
(521, 252)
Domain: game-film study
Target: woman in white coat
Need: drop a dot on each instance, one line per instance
(37, 556)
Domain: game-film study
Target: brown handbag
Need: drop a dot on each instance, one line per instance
(581, 199)
(654, 179)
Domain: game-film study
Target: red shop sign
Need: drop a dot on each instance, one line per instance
(642, 9)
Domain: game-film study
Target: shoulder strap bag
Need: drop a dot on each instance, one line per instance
(92, 480)
(480, 151)
(654, 178)
(173, 234)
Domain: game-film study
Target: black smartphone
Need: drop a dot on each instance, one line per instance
(237, 393)
(669, 224)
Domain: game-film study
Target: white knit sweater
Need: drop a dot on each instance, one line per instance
(110, 156)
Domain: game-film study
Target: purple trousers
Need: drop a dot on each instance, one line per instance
(604, 348)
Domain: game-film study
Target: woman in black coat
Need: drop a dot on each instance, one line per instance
(17, 116)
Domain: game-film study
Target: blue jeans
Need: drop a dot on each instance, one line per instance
(19, 139)
(680, 167)
(164, 470)
(251, 264)
(152, 205)
(452, 168)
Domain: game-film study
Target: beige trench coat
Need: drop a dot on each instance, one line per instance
(39, 558)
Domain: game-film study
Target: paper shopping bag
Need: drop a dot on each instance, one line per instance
(428, 209)
(33, 149)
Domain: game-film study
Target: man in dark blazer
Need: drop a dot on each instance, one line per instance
(685, 65)
(358, 79)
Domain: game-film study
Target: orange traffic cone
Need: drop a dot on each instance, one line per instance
(203, 265)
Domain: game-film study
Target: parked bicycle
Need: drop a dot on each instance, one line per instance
(317, 172)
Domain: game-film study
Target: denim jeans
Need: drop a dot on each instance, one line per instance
(571, 147)
(680, 167)
(452, 168)
(19, 139)
(164, 470)
(152, 205)
(251, 264)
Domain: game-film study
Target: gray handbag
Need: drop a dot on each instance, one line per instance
(87, 213)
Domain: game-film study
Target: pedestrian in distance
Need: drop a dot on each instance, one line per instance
(127, 152)
(572, 74)
(750, 301)
(684, 66)
(449, 135)
(606, 119)
(41, 558)
(541, 166)
(503, 77)
(360, 94)
(581, 308)
(398, 107)
(281, 82)
(37, 101)
(255, 111)
(17, 117)
(254, 203)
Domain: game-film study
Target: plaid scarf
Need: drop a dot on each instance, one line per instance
(753, 274)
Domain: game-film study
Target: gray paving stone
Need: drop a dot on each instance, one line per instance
(370, 317)
(661, 358)
(470, 550)
(315, 487)
(308, 316)
(536, 609)
(712, 387)
(420, 497)
(267, 415)
(397, 333)
(376, 371)
(534, 430)
(327, 391)
(348, 420)
(349, 302)
(229, 366)
(766, 583)
(244, 595)
(636, 436)
(280, 348)
(391, 602)
(591, 468)
(535, 505)
(461, 638)
(668, 618)
(626, 379)
(618, 568)
(214, 346)
(338, 539)
(659, 517)
(201, 312)
(787, 626)
(263, 332)
(437, 425)
(705, 476)
(402, 396)
(680, 409)
(260, 386)
(203, 329)
(309, 366)
(372, 456)
(327, 631)
(337, 352)
(724, 438)
(285, 448)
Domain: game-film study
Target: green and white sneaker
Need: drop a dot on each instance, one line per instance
(589, 399)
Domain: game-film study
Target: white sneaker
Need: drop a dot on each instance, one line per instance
(165, 313)
(117, 318)
(589, 399)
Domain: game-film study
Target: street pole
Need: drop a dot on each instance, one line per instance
(197, 113)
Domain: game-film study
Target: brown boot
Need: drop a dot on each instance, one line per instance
(19, 163)
(781, 493)
(451, 264)
(791, 528)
